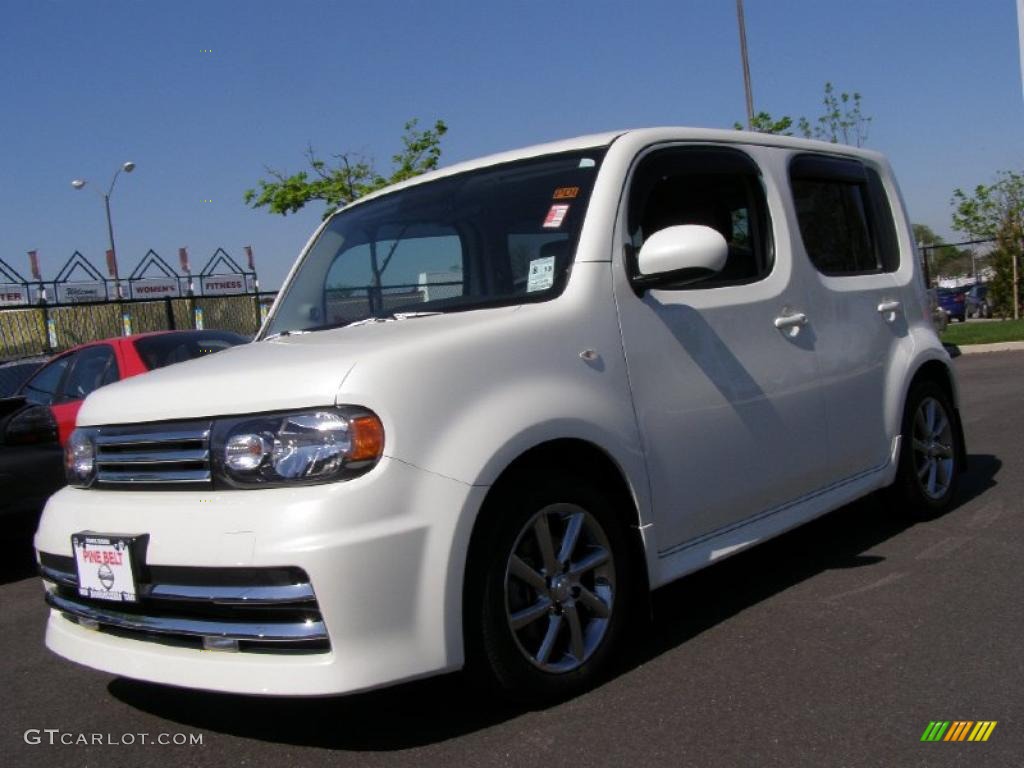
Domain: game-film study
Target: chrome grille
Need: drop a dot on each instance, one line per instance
(178, 453)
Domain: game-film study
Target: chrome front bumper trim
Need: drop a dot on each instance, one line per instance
(92, 615)
(206, 593)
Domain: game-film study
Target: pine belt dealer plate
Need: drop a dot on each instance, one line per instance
(104, 566)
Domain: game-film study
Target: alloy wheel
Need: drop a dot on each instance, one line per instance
(560, 587)
(933, 448)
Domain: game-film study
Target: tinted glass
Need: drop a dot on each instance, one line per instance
(42, 388)
(92, 368)
(167, 349)
(844, 215)
(885, 225)
(718, 188)
(14, 375)
(500, 235)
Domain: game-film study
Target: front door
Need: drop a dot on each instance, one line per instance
(723, 372)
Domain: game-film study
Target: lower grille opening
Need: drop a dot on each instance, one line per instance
(254, 610)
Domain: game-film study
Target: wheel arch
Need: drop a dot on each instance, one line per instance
(937, 370)
(581, 458)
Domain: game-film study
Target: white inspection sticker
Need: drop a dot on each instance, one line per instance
(542, 274)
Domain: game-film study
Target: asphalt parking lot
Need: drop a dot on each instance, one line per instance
(834, 645)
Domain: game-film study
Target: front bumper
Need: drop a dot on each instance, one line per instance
(383, 553)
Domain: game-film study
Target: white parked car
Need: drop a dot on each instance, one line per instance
(494, 406)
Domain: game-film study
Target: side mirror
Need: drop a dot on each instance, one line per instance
(684, 253)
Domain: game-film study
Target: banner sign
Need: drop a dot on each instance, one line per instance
(112, 265)
(13, 294)
(155, 288)
(223, 285)
(33, 261)
(68, 293)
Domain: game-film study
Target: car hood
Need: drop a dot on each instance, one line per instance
(295, 371)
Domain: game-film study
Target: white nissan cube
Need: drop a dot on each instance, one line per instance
(497, 404)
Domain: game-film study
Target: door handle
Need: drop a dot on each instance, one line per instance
(793, 321)
(888, 310)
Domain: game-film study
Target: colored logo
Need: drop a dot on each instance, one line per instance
(958, 730)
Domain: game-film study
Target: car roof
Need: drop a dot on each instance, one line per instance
(601, 140)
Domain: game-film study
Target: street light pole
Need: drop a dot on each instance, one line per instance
(110, 226)
(127, 167)
(746, 64)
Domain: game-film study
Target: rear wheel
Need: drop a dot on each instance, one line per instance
(548, 592)
(930, 460)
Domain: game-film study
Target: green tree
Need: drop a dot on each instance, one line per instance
(943, 260)
(843, 121)
(996, 211)
(350, 177)
(765, 123)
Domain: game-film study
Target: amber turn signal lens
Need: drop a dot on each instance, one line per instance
(367, 438)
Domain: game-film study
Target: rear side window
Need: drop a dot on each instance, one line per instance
(167, 349)
(844, 215)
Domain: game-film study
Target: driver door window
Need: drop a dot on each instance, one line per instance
(91, 369)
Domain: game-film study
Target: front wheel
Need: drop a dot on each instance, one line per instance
(930, 453)
(548, 592)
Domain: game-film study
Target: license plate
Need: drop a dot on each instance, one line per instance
(104, 566)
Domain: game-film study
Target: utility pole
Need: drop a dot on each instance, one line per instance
(1016, 284)
(746, 62)
(1020, 37)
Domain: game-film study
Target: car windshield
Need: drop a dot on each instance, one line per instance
(501, 235)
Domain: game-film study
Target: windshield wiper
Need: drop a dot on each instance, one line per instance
(408, 315)
(353, 323)
(279, 334)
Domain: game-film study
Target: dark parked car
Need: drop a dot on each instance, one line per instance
(953, 301)
(36, 422)
(14, 373)
(977, 301)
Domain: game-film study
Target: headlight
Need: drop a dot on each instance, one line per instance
(80, 458)
(304, 447)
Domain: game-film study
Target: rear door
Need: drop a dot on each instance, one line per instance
(728, 402)
(848, 236)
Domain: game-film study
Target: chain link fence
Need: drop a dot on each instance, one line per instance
(50, 328)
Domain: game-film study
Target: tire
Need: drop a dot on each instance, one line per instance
(930, 453)
(537, 638)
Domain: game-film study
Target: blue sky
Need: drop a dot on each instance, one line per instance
(86, 86)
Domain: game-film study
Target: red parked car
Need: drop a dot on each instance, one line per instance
(39, 419)
(63, 383)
